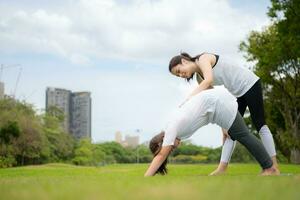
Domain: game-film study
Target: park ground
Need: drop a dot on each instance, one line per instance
(126, 181)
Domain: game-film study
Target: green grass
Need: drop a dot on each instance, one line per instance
(60, 181)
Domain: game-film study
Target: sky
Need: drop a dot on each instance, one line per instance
(119, 51)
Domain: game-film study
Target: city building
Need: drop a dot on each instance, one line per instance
(76, 108)
(59, 98)
(81, 114)
(118, 137)
(130, 141)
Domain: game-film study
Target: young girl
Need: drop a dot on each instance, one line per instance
(217, 106)
(211, 69)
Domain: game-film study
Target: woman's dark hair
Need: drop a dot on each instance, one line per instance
(155, 147)
(177, 60)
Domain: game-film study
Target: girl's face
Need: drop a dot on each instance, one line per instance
(183, 70)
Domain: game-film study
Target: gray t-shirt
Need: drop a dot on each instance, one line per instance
(238, 80)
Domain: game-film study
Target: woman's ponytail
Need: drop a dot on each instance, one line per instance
(188, 57)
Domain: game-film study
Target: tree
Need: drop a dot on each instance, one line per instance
(31, 145)
(276, 54)
(61, 144)
(20, 119)
(119, 153)
(9, 131)
(84, 153)
(87, 153)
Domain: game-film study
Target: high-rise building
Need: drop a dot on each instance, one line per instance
(118, 137)
(1, 90)
(76, 108)
(132, 141)
(60, 98)
(81, 106)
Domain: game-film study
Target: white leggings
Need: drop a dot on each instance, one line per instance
(252, 99)
(267, 140)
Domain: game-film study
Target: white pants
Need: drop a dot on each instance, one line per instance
(267, 140)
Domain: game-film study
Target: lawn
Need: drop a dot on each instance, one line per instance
(61, 181)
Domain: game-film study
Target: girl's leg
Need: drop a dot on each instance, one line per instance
(229, 144)
(255, 103)
(239, 131)
(227, 151)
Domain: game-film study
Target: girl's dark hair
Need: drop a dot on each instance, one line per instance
(177, 60)
(155, 147)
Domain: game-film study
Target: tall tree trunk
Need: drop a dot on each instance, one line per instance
(295, 152)
(23, 155)
(295, 156)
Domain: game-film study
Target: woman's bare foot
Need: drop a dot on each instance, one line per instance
(220, 170)
(275, 164)
(272, 171)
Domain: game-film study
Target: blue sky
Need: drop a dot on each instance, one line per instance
(119, 51)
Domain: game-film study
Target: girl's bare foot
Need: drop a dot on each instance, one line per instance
(217, 172)
(220, 170)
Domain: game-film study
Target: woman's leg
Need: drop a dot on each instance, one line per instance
(254, 100)
(239, 131)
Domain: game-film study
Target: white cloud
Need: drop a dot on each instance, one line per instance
(140, 30)
(89, 32)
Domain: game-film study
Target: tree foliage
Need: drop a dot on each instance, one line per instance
(275, 52)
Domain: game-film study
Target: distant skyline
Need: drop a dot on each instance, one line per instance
(119, 51)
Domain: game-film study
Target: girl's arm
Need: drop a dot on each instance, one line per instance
(158, 160)
(225, 135)
(205, 63)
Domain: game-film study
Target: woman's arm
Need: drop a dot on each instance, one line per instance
(158, 160)
(205, 63)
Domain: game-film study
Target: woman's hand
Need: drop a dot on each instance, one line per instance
(204, 63)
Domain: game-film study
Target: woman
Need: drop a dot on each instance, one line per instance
(212, 69)
(217, 106)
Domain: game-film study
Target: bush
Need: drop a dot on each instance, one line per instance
(188, 159)
(8, 161)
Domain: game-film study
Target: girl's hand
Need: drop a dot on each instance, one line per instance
(158, 160)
